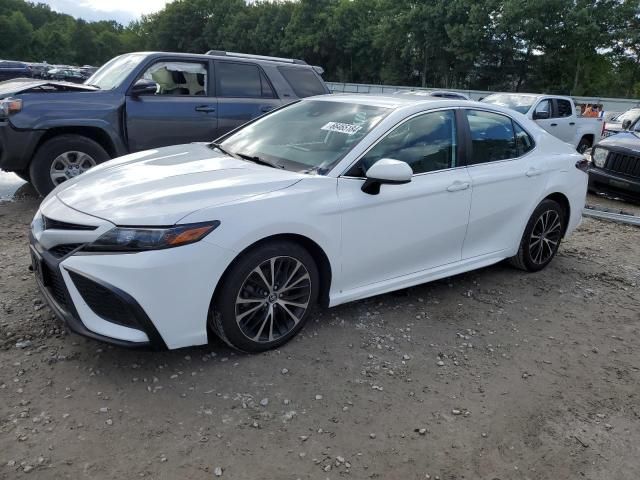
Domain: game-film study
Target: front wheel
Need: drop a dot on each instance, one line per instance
(62, 158)
(266, 296)
(541, 238)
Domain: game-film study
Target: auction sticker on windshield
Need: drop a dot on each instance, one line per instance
(346, 128)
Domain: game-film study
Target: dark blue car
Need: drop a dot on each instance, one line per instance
(52, 131)
(10, 69)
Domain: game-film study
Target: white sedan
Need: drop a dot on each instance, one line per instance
(325, 201)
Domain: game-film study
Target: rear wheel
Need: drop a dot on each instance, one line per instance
(266, 296)
(584, 145)
(541, 238)
(62, 158)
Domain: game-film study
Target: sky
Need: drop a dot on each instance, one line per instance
(122, 11)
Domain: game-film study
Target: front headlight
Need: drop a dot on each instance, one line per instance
(599, 157)
(131, 239)
(9, 106)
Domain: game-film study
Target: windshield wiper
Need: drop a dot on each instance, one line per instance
(258, 160)
(92, 85)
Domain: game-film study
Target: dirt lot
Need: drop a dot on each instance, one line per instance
(495, 374)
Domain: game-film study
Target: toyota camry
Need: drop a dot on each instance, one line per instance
(327, 200)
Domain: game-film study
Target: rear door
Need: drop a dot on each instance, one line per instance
(565, 120)
(244, 93)
(506, 180)
(183, 109)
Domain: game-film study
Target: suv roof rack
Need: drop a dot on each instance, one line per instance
(222, 53)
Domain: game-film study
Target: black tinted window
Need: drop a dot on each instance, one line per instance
(523, 140)
(303, 81)
(238, 80)
(427, 143)
(492, 137)
(564, 108)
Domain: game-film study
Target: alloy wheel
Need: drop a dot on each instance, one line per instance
(273, 299)
(69, 165)
(545, 237)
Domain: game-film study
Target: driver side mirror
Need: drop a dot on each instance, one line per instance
(144, 87)
(541, 115)
(386, 171)
(626, 124)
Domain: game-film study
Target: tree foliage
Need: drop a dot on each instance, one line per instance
(580, 47)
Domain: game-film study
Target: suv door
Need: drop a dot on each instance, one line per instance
(506, 182)
(244, 92)
(413, 227)
(183, 109)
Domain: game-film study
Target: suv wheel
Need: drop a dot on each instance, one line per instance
(266, 297)
(62, 158)
(541, 238)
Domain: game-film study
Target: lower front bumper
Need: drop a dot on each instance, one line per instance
(614, 183)
(17, 146)
(53, 286)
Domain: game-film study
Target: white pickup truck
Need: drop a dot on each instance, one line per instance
(557, 115)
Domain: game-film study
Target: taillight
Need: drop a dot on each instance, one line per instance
(604, 124)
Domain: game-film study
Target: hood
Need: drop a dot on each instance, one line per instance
(29, 85)
(629, 141)
(160, 187)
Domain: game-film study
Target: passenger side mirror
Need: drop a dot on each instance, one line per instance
(144, 87)
(389, 171)
(626, 124)
(542, 115)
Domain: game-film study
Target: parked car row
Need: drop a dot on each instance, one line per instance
(12, 69)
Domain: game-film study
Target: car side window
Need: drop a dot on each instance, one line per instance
(242, 80)
(426, 142)
(524, 141)
(543, 109)
(564, 108)
(492, 137)
(179, 78)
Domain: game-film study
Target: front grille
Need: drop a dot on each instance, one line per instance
(104, 302)
(51, 224)
(624, 164)
(60, 251)
(54, 282)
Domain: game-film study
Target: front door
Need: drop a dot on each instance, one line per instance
(412, 227)
(183, 110)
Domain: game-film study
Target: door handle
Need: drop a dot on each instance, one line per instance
(572, 123)
(457, 186)
(266, 108)
(554, 125)
(205, 108)
(533, 172)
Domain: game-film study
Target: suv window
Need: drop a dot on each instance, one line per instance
(242, 80)
(426, 142)
(303, 81)
(564, 108)
(492, 137)
(179, 78)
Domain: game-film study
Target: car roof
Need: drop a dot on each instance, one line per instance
(238, 59)
(390, 101)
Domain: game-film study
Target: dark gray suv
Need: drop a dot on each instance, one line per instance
(52, 131)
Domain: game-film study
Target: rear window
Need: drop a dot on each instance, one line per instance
(242, 80)
(303, 81)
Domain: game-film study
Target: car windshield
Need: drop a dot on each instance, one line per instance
(519, 103)
(112, 73)
(311, 135)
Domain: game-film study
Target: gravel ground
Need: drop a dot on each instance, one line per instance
(495, 374)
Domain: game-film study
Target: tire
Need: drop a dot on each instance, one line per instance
(250, 318)
(76, 152)
(529, 257)
(584, 145)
